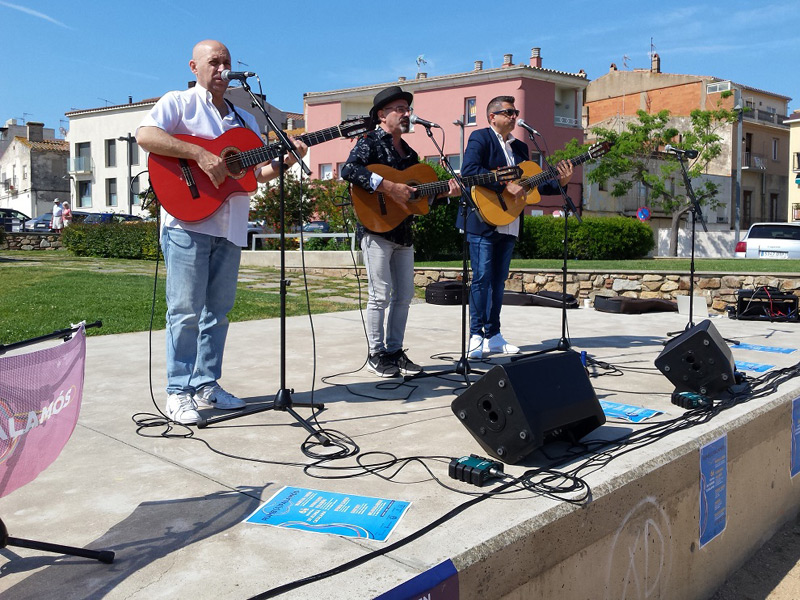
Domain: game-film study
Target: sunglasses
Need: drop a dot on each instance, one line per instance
(509, 112)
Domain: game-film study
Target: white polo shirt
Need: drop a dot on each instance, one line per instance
(192, 112)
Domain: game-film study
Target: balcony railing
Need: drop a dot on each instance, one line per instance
(796, 162)
(754, 161)
(80, 165)
(764, 116)
(566, 121)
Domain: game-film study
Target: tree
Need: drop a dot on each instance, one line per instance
(637, 158)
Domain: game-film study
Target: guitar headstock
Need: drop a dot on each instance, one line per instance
(599, 149)
(355, 126)
(509, 173)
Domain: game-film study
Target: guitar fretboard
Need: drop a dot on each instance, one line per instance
(266, 153)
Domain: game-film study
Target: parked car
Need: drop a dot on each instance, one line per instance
(13, 220)
(317, 227)
(40, 223)
(95, 218)
(770, 240)
(253, 228)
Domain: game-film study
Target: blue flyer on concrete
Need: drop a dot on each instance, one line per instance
(765, 348)
(627, 412)
(751, 366)
(713, 489)
(795, 436)
(347, 515)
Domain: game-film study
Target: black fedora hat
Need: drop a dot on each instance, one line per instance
(383, 98)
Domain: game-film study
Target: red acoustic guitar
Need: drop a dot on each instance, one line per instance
(186, 192)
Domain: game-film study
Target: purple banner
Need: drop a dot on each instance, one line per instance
(40, 399)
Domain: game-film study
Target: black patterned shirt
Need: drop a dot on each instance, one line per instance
(376, 147)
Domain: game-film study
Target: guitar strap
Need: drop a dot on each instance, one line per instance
(233, 108)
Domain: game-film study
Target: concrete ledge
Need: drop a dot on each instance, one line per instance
(313, 258)
(640, 534)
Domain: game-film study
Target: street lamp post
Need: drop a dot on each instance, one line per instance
(131, 140)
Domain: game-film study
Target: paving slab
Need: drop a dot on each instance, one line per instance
(172, 507)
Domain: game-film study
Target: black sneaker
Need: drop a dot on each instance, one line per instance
(381, 365)
(405, 365)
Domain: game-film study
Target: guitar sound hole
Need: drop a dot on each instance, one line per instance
(234, 164)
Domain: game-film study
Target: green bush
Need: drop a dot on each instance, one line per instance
(597, 238)
(113, 240)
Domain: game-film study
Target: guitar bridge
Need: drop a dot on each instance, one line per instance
(188, 178)
(382, 204)
(502, 202)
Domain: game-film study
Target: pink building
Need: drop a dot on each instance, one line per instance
(551, 101)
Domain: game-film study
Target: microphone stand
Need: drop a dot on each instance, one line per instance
(697, 214)
(567, 207)
(462, 366)
(283, 398)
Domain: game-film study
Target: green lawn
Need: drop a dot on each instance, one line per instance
(45, 294)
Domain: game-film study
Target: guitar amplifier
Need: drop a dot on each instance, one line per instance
(766, 304)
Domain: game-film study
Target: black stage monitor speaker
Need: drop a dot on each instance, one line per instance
(516, 407)
(698, 360)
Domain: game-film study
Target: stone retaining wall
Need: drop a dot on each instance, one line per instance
(29, 240)
(719, 290)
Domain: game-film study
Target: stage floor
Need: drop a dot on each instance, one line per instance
(172, 507)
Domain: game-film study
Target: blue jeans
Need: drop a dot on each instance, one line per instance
(201, 288)
(390, 275)
(490, 257)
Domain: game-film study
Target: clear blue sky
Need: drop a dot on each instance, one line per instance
(61, 56)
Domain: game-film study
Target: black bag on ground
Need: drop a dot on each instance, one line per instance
(553, 299)
(444, 292)
(633, 306)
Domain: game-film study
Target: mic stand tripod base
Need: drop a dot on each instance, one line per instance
(462, 367)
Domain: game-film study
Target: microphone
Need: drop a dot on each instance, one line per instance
(678, 151)
(527, 127)
(236, 75)
(427, 124)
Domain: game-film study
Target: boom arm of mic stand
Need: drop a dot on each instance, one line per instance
(697, 211)
(568, 204)
(449, 168)
(282, 137)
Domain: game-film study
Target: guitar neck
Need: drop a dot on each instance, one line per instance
(435, 188)
(551, 174)
(267, 153)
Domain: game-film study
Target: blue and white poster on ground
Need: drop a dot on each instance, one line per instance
(713, 489)
(795, 436)
(317, 511)
(627, 412)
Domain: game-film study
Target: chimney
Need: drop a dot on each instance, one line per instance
(401, 78)
(655, 63)
(35, 131)
(536, 57)
(478, 65)
(506, 60)
(289, 123)
(130, 99)
(422, 75)
(613, 67)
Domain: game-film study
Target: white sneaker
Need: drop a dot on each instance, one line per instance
(181, 408)
(213, 396)
(475, 347)
(498, 344)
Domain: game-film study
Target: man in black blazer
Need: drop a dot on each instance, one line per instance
(490, 247)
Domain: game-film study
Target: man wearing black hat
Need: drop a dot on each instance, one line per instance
(388, 256)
